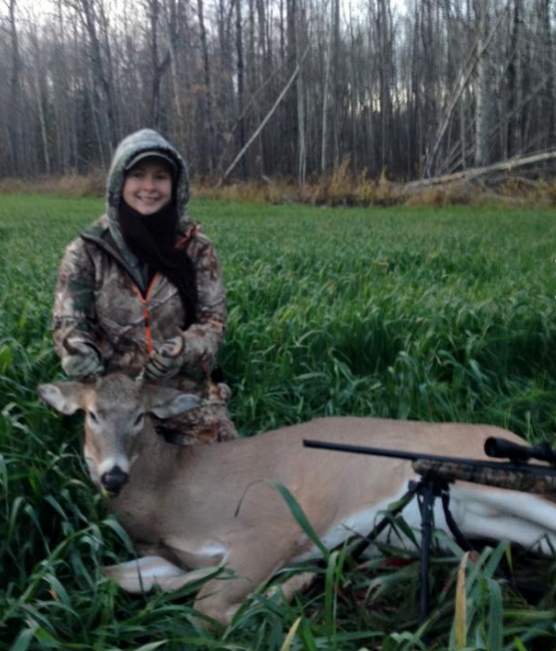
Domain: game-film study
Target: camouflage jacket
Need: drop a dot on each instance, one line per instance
(102, 298)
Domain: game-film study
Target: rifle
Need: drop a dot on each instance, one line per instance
(515, 474)
(437, 472)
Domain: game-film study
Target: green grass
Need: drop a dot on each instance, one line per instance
(405, 312)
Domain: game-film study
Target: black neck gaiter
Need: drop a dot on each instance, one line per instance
(152, 239)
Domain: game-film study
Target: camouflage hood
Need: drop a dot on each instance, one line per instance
(129, 147)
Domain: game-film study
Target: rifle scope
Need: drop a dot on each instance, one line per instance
(502, 449)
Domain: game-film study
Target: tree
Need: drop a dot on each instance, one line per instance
(484, 108)
(14, 126)
(207, 162)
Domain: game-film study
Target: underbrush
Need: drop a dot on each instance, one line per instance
(341, 188)
(67, 185)
(430, 314)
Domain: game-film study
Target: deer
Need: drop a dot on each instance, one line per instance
(194, 510)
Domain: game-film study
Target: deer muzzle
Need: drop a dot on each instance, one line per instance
(114, 480)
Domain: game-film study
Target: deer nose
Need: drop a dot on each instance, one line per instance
(114, 479)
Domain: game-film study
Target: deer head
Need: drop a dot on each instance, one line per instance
(116, 408)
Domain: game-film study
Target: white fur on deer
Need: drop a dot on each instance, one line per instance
(192, 510)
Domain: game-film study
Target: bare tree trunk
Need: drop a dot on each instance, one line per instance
(291, 102)
(208, 163)
(240, 84)
(39, 78)
(336, 90)
(548, 67)
(64, 120)
(417, 134)
(75, 144)
(15, 96)
(158, 66)
(300, 93)
(104, 108)
(153, 12)
(104, 155)
(253, 112)
(225, 112)
(483, 99)
(515, 82)
(110, 86)
(282, 33)
(383, 29)
(353, 85)
(463, 134)
(325, 94)
(265, 49)
(176, 25)
(180, 122)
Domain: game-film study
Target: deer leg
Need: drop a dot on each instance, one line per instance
(293, 585)
(252, 560)
(148, 572)
(523, 518)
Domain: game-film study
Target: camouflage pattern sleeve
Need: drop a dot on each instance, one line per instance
(74, 313)
(204, 337)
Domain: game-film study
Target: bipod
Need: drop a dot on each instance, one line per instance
(425, 490)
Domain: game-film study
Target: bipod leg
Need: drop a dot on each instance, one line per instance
(425, 490)
(428, 489)
(362, 542)
(425, 497)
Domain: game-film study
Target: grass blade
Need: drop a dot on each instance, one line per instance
(290, 636)
(460, 617)
(301, 518)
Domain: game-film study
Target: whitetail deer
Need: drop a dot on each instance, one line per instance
(193, 508)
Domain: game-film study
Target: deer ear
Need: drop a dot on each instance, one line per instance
(165, 402)
(65, 397)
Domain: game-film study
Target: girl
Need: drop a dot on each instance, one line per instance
(141, 290)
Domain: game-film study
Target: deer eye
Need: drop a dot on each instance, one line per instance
(93, 416)
(138, 420)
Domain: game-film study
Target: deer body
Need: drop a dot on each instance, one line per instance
(193, 508)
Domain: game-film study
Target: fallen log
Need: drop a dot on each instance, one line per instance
(475, 172)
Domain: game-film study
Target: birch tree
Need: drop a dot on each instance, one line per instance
(483, 92)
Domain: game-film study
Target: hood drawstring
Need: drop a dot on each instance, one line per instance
(152, 239)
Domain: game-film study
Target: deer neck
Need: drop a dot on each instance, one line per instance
(154, 460)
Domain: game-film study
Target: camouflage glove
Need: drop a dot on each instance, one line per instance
(83, 361)
(166, 361)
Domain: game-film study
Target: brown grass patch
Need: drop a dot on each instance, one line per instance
(341, 188)
(449, 195)
(69, 185)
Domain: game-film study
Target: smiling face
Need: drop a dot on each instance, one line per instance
(148, 186)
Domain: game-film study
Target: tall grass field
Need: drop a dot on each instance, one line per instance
(430, 314)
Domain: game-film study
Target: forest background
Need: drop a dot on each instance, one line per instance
(406, 89)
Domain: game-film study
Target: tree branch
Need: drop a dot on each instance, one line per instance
(265, 119)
